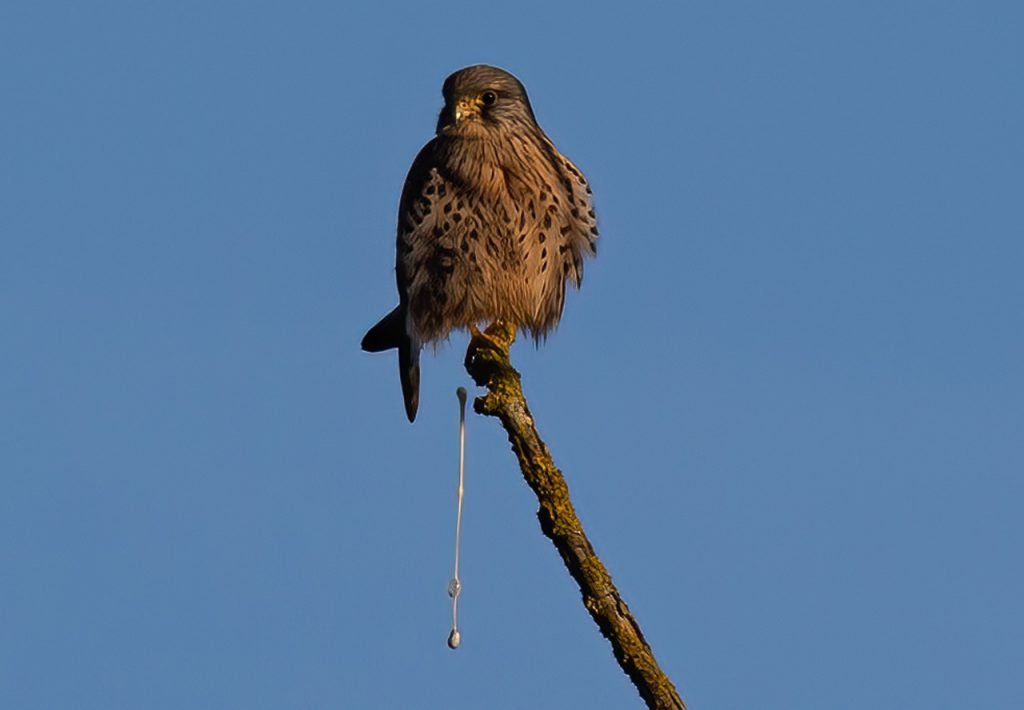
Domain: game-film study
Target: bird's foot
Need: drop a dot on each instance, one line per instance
(488, 347)
(498, 336)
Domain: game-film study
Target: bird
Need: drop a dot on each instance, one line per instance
(493, 222)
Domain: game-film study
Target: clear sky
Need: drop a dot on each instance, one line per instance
(789, 399)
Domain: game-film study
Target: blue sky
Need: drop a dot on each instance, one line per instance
(789, 398)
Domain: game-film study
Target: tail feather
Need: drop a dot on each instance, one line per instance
(409, 370)
(390, 333)
(387, 334)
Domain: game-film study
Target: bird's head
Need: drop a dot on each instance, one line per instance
(482, 97)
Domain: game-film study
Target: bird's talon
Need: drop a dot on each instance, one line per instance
(481, 340)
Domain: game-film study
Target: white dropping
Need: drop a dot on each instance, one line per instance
(455, 585)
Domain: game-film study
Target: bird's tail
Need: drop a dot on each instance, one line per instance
(389, 333)
(409, 370)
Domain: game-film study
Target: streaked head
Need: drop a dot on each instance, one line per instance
(486, 95)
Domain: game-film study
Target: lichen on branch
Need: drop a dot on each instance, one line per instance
(489, 364)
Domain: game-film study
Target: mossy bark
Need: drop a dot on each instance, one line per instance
(487, 362)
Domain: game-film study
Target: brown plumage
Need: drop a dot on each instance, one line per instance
(492, 223)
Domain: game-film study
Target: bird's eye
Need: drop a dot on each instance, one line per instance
(488, 98)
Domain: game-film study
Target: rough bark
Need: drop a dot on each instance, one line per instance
(487, 362)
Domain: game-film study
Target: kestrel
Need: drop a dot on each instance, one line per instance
(492, 223)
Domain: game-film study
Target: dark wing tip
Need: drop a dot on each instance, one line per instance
(385, 335)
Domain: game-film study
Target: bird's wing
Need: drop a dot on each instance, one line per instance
(425, 251)
(418, 198)
(580, 227)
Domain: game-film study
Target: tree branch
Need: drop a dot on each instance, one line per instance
(487, 361)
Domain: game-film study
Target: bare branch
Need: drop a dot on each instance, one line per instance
(487, 362)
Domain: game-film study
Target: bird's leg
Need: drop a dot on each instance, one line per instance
(488, 351)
